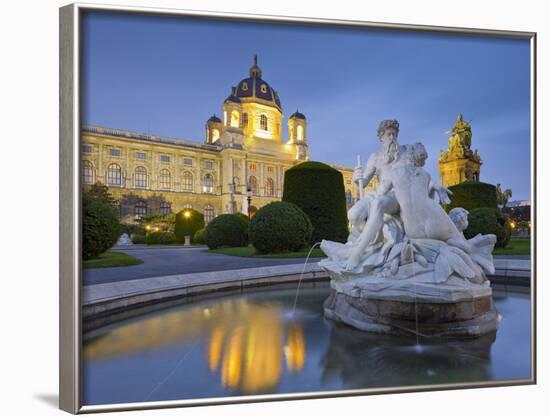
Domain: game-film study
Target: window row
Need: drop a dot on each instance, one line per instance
(141, 178)
(269, 190)
(142, 156)
(141, 210)
(235, 121)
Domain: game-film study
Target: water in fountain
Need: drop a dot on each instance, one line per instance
(301, 276)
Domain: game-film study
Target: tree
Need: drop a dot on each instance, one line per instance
(503, 196)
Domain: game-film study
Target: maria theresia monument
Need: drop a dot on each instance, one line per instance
(407, 267)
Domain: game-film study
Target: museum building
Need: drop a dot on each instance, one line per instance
(243, 157)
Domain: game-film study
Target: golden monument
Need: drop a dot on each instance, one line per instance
(458, 163)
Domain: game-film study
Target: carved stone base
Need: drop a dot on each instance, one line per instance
(462, 318)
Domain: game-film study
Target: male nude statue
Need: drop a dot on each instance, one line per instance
(374, 205)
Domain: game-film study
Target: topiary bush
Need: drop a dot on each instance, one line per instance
(160, 238)
(226, 230)
(139, 239)
(489, 221)
(199, 236)
(188, 226)
(100, 226)
(471, 195)
(244, 218)
(280, 227)
(318, 190)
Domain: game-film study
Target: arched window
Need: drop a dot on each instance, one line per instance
(114, 175)
(208, 214)
(253, 185)
(165, 208)
(87, 172)
(140, 177)
(140, 209)
(235, 118)
(269, 187)
(208, 184)
(187, 183)
(245, 119)
(215, 135)
(300, 133)
(165, 179)
(263, 122)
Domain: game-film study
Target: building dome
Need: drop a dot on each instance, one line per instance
(297, 115)
(214, 119)
(254, 87)
(233, 99)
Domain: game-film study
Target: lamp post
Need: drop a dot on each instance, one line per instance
(187, 216)
(249, 199)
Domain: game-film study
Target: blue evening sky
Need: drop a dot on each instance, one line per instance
(167, 76)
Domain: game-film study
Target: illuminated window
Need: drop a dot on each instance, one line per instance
(114, 152)
(187, 206)
(245, 86)
(87, 172)
(165, 158)
(300, 132)
(165, 179)
(208, 183)
(187, 184)
(215, 135)
(208, 214)
(142, 156)
(263, 122)
(253, 185)
(269, 187)
(188, 162)
(245, 119)
(263, 88)
(140, 209)
(235, 118)
(165, 208)
(140, 177)
(252, 167)
(87, 149)
(114, 175)
(270, 169)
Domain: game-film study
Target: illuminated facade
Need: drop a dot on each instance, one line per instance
(244, 150)
(458, 163)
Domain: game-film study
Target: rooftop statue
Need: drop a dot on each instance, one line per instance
(403, 246)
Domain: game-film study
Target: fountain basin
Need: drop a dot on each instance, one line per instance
(397, 307)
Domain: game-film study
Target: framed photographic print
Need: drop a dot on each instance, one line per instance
(258, 208)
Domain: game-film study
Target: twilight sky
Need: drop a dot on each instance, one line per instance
(167, 76)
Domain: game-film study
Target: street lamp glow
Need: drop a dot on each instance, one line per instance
(187, 214)
(512, 225)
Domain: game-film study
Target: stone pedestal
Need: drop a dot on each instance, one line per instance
(187, 241)
(403, 307)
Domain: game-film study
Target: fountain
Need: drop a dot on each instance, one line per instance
(407, 267)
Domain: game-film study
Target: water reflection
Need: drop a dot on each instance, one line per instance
(247, 344)
(398, 361)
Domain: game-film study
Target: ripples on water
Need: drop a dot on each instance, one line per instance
(256, 344)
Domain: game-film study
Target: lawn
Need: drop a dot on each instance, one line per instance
(110, 260)
(250, 252)
(516, 246)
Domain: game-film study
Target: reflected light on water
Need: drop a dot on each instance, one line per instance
(246, 342)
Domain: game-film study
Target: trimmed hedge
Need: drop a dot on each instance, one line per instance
(137, 239)
(471, 195)
(318, 190)
(244, 218)
(100, 226)
(188, 226)
(280, 227)
(199, 236)
(226, 230)
(160, 238)
(489, 221)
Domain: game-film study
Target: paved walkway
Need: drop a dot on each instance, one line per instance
(162, 261)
